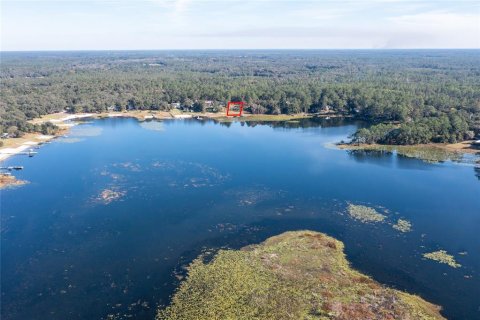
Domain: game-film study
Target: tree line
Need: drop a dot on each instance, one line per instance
(408, 96)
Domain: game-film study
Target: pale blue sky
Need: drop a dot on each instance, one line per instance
(235, 24)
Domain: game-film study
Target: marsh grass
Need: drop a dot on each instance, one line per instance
(427, 153)
(442, 256)
(109, 195)
(296, 275)
(403, 225)
(365, 214)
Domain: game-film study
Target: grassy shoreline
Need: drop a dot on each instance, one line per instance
(274, 118)
(432, 152)
(65, 121)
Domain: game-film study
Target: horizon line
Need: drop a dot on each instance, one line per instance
(234, 49)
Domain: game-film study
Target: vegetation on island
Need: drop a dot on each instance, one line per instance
(403, 225)
(108, 195)
(295, 275)
(443, 257)
(8, 180)
(413, 96)
(370, 215)
(365, 214)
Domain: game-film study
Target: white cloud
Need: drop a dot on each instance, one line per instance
(439, 28)
(166, 24)
(176, 5)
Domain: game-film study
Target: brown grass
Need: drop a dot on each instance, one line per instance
(10, 181)
(296, 275)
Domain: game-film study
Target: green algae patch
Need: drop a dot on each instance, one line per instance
(443, 257)
(295, 275)
(365, 214)
(403, 225)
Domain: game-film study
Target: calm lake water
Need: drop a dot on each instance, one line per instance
(179, 188)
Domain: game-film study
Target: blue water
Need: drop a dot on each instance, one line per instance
(184, 187)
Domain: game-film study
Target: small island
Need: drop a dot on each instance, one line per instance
(8, 180)
(442, 256)
(365, 214)
(295, 275)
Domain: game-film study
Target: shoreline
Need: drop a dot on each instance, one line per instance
(16, 146)
(430, 152)
(64, 120)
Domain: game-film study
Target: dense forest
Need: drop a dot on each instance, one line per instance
(409, 96)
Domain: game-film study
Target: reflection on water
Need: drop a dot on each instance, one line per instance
(152, 125)
(431, 154)
(86, 130)
(377, 157)
(69, 140)
(388, 159)
(107, 226)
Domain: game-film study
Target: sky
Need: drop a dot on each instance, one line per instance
(238, 24)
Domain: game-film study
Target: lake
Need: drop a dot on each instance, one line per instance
(115, 211)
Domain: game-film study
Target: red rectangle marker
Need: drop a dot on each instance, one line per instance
(234, 108)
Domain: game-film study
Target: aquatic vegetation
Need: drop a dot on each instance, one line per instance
(108, 195)
(163, 164)
(134, 167)
(427, 153)
(226, 227)
(403, 225)
(9, 181)
(113, 176)
(251, 196)
(187, 174)
(296, 275)
(365, 214)
(443, 257)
